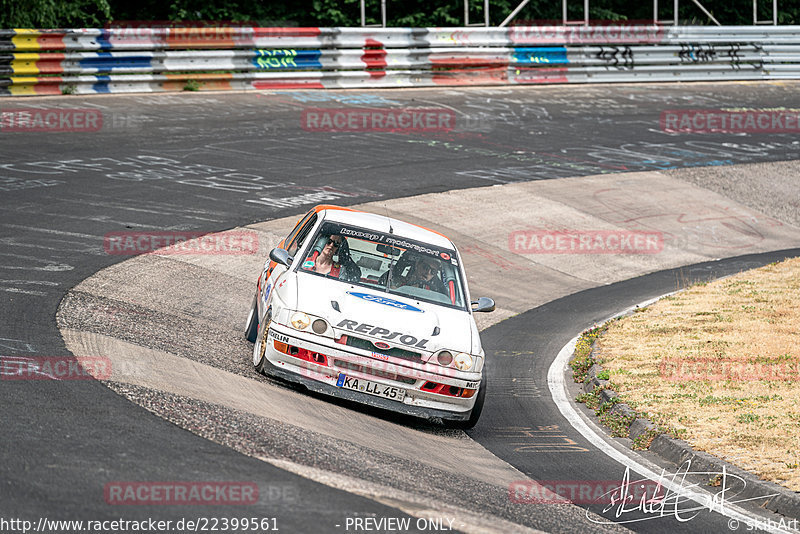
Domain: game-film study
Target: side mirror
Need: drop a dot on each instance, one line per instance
(279, 255)
(483, 304)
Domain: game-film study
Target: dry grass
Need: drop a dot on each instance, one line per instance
(740, 400)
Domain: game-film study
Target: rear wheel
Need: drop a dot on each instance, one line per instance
(251, 326)
(260, 348)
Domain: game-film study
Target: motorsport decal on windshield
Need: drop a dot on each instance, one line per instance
(364, 328)
(395, 241)
(385, 301)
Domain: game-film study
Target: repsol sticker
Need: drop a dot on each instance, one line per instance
(385, 301)
(278, 337)
(383, 333)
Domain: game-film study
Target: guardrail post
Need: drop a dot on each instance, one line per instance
(585, 21)
(674, 20)
(774, 20)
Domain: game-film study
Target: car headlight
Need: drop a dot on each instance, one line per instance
(300, 320)
(444, 358)
(463, 361)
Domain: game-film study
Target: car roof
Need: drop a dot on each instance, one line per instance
(382, 223)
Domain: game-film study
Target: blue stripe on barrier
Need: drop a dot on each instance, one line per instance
(107, 62)
(103, 40)
(101, 85)
(548, 55)
(287, 58)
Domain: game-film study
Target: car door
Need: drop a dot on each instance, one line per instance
(273, 271)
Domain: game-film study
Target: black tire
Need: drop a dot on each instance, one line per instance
(251, 328)
(259, 358)
(475, 414)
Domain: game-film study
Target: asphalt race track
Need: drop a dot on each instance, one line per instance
(209, 162)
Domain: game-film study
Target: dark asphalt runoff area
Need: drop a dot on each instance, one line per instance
(207, 162)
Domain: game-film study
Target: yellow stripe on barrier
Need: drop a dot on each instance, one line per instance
(26, 39)
(25, 85)
(25, 64)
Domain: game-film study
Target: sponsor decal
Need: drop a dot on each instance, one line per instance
(278, 336)
(380, 356)
(308, 264)
(377, 331)
(266, 292)
(472, 385)
(381, 345)
(385, 301)
(445, 256)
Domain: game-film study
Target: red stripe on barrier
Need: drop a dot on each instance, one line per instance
(468, 62)
(51, 41)
(51, 63)
(374, 56)
(471, 76)
(48, 86)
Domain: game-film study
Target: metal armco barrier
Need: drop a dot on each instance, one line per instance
(36, 62)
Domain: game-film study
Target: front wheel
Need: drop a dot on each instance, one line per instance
(260, 348)
(475, 414)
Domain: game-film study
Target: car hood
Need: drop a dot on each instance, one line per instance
(392, 319)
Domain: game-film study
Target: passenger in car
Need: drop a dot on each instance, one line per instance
(322, 261)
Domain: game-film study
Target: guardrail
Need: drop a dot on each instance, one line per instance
(35, 62)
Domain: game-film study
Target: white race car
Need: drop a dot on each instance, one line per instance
(374, 310)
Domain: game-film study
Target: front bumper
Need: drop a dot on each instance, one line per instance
(321, 376)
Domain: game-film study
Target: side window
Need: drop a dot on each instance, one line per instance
(300, 235)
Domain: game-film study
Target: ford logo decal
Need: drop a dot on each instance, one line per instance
(385, 301)
(381, 345)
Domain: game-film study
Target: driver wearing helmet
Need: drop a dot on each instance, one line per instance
(424, 273)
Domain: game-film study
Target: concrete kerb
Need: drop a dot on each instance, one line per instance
(778, 499)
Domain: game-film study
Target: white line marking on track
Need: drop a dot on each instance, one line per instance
(558, 390)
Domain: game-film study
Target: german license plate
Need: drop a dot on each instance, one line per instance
(373, 388)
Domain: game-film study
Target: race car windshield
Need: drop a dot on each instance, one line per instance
(386, 262)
